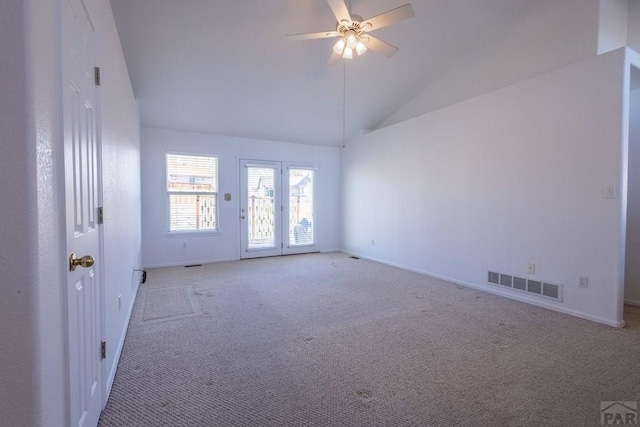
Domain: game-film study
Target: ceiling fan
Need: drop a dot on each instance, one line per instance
(354, 31)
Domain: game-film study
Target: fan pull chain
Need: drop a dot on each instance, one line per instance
(344, 99)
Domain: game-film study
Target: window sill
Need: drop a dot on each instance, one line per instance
(195, 233)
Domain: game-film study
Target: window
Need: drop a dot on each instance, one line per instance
(192, 192)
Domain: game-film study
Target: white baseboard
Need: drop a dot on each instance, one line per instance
(632, 302)
(326, 251)
(214, 261)
(497, 291)
(183, 263)
(112, 372)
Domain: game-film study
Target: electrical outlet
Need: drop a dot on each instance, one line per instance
(583, 282)
(610, 192)
(373, 242)
(531, 268)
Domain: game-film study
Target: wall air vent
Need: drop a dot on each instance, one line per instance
(494, 278)
(530, 286)
(520, 283)
(506, 280)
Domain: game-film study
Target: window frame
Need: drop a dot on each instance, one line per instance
(169, 193)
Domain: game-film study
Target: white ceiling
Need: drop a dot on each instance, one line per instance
(226, 67)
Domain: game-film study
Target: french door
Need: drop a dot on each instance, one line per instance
(276, 209)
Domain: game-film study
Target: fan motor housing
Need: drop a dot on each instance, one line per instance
(355, 25)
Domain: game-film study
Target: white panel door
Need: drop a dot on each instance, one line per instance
(299, 209)
(83, 232)
(260, 209)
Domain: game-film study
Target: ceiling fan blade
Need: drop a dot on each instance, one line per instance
(387, 18)
(311, 36)
(380, 46)
(339, 9)
(334, 58)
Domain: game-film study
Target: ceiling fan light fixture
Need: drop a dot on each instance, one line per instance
(351, 38)
(352, 31)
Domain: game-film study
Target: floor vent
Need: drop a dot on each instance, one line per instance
(537, 287)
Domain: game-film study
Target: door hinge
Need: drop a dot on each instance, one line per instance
(97, 75)
(281, 245)
(100, 215)
(103, 350)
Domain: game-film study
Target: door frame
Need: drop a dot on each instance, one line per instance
(101, 246)
(245, 252)
(87, 8)
(629, 195)
(288, 249)
(283, 197)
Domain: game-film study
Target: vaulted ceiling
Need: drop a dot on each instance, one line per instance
(226, 67)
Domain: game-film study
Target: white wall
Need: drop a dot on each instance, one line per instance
(495, 182)
(633, 25)
(632, 270)
(612, 28)
(121, 188)
(160, 249)
(32, 239)
(49, 221)
(19, 398)
(549, 34)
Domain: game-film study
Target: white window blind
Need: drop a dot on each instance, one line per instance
(192, 192)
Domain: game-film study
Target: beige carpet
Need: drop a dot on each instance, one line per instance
(327, 340)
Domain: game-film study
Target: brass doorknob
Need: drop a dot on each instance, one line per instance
(85, 261)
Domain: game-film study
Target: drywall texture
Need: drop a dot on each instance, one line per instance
(569, 26)
(32, 249)
(121, 187)
(612, 28)
(633, 25)
(49, 249)
(512, 177)
(632, 266)
(161, 249)
(19, 399)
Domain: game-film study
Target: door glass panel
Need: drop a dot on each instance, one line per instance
(300, 207)
(261, 219)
